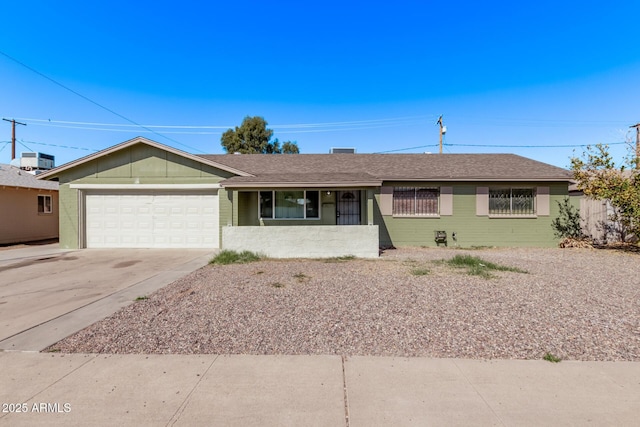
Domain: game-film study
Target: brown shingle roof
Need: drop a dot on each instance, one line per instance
(390, 167)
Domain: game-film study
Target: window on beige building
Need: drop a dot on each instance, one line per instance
(45, 205)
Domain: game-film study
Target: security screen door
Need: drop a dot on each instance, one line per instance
(348, 207)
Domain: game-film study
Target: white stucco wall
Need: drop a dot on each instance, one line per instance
(318, 241)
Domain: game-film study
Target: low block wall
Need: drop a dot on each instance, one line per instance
(320, 241)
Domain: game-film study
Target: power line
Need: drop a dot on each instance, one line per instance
(23, 143)
(446, 145)
(28, 148)
(44, 122)
(342, 129)
(125, 130)
(405, 149)
(398, 120)
(527, 146)
(93, 102)
(528, 122)
(283, 129)
(393, 120)
(364, 123)
(61, 146)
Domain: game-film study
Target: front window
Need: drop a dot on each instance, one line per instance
(511, 201)
(291, 204)
(411, 201)
(44, 204)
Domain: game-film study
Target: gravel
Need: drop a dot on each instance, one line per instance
(576, 304)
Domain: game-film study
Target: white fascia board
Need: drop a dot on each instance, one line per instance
(250, 185)
(145, 186)
(445, 179)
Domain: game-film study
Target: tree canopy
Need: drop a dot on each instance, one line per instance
(253, 137)
(598, 177)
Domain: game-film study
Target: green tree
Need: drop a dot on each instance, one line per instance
(289, 147)
(598, 177)
(253, 137)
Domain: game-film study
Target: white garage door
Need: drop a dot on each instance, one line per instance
(154, 219)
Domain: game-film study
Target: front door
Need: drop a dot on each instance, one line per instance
(348, 207)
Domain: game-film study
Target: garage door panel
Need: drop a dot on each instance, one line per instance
(110, 239)
(194, 211)
(143, 210)
(143, 241)
(152, 220)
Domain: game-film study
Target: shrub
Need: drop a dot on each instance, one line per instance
(233, 257)
(567, 224)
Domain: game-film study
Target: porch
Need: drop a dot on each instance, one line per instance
(307, 222)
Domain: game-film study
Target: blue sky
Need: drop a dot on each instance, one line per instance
(521, 77)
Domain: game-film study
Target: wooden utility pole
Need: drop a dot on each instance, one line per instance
(637, 126)
(13, 135)
(443, 129)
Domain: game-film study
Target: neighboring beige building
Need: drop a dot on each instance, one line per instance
(28, 207)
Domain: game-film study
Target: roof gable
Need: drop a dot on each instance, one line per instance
(139, 140)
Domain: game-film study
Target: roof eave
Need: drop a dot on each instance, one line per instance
(480, 178)
(25, 187)
(324, 184)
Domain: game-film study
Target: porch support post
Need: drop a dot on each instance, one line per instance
(234, 208)
(370, 206)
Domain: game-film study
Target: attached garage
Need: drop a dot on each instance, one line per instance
(142, 194)
(154, 219)
(149, 216)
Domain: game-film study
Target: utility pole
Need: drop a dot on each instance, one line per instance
(637, 126)
(443, 130)
(13, 135)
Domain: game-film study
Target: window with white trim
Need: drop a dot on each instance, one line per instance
(289, 204)
(512, 201)
(45, 205)
(415, 201)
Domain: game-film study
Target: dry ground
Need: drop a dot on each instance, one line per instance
(574, 303)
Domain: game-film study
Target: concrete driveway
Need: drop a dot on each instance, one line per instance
(47, 293)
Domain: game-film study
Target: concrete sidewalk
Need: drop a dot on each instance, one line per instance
(186, 390)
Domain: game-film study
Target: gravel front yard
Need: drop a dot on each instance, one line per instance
(575, 304)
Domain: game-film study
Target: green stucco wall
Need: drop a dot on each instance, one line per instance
(137, 164)
(472, 230)
(68, 217)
